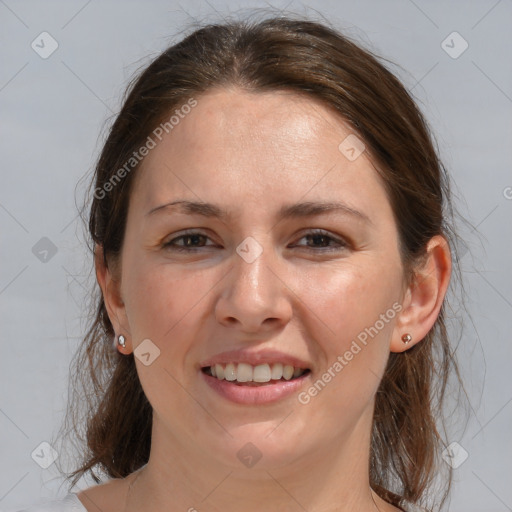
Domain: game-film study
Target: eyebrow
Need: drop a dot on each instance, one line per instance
(298, 210)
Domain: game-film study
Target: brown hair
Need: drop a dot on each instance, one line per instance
(304, 57)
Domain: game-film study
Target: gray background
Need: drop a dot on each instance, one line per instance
(54, 110)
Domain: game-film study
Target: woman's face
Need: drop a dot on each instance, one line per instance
(317, 288)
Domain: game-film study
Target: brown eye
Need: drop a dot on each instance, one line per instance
(323, 240)
(187, 242)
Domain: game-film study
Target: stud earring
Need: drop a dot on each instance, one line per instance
(121, 341)
(406, 338)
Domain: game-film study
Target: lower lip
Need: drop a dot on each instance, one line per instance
(255, 395)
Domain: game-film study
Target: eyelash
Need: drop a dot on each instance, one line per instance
(313, 233)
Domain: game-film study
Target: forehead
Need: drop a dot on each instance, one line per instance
(245, 148)
(274, 124)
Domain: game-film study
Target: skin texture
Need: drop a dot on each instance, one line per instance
(251, 154)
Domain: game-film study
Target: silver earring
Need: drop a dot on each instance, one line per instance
(406, 338)
(121, 341)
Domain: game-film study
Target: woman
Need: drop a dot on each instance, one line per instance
(273, 258)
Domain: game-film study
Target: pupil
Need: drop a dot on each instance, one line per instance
(318, 239)
(192, 237)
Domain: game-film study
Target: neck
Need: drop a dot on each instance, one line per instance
(332, 478)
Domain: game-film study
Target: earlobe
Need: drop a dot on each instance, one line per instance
(110, 288)
(424, 297)
(122, 345)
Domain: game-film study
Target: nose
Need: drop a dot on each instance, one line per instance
(254, 297)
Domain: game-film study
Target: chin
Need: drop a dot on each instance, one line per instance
(256, 446)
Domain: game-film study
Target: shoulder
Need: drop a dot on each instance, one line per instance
(70, 503)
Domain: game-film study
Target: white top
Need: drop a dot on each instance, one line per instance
(68, 504)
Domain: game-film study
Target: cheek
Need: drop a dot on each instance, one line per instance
(354, 314)
(162, 306)
(345, 302)
(159, 299)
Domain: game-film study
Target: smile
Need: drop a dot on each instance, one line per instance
(245, 384)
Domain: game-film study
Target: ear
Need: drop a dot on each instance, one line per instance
(110, 285)
(424, 296)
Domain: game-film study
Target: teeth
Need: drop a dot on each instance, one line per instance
(287, 372)
(230, 372)
(243, 372)
(277, 371)
(261, 373)
(297, 372)
(219, 372)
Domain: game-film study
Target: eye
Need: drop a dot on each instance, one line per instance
(192, 240)
(319, 239)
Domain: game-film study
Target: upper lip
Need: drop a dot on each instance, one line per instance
(255, 358)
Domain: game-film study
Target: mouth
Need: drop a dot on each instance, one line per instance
(246, 384)
(245, 374)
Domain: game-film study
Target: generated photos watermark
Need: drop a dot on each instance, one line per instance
(143, 151)
(343, 360)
